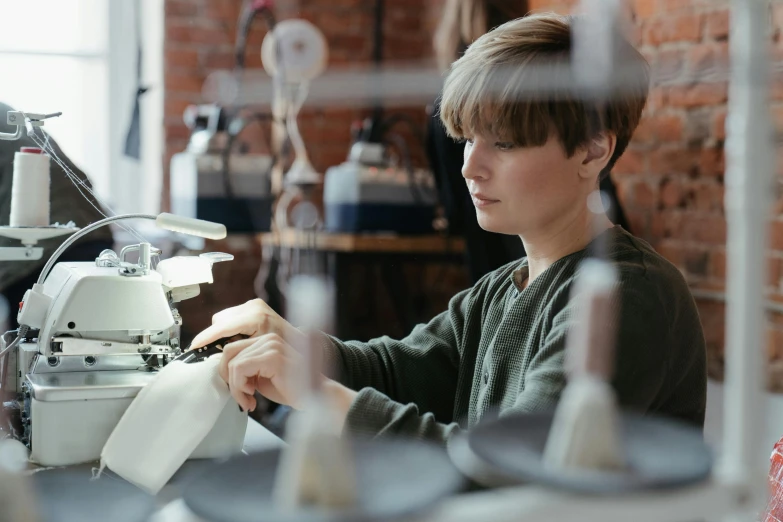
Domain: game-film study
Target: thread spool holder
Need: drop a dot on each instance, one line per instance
(29, 236)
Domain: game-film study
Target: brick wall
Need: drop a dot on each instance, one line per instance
(670, 180)
(200, 38)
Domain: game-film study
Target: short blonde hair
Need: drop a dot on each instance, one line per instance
(498, 88)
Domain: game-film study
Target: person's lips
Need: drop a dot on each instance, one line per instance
(481, 200)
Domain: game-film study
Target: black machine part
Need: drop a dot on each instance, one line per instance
(396, 478)
(660, 454)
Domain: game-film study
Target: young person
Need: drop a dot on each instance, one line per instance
(463, 22)
(530, 165)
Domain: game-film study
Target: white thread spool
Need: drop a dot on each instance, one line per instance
(30, 192)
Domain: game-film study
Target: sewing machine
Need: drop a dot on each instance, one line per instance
(100, 331)
(209, 181)
(367, 194)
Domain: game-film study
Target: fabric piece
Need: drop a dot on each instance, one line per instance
(165, 423)
(499, 349)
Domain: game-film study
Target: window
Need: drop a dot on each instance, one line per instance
(79, 57)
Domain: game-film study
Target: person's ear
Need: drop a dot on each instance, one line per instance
(599, 152)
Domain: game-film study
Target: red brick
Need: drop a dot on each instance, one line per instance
(181, 82)
(719, 124)
(184, 8)
(253, 58)
(557, 6)
(774, 343)
(669, 64)
(255, 37)
(707, 229)
(635, 34)
(669, 7)
(776, 235)
(668, 127)
(717, 25)
(718, 264)
(697, 95)
(344, 21)
(674, 161)
(656, 100)
(708, 61)
(671, 193)
(645, 132)
(639, 221)
(184, 58)
(644, 9)
(177, 132)
(631, 162)
(643, 195)
(218, 59)
(667, 224)
(677, 28)
(712, 161)
(190, 33)
(706, 196)
(773, 272)
(696, 262)
(671, 251)
(175, 107)
(225, 10)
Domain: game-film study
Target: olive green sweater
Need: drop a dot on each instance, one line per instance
(499, 348)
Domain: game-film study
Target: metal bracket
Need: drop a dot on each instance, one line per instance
(27, 253)
(21, 119)
(65, 346)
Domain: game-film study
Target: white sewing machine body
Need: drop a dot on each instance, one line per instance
(109, 327)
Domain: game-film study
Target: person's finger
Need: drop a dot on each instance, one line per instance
(238, 386)
(228, 327)
(229, 312)
(230, 351)
(252, 365)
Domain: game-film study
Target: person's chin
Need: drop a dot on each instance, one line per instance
(490, 225)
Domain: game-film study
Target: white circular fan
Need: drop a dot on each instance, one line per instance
(300, 46)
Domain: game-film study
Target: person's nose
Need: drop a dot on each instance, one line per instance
(475, 165)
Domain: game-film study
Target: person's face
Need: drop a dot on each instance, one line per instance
(519, 190)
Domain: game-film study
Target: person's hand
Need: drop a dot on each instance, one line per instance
(270, 365)
(252, 319)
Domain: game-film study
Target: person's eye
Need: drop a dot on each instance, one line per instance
(504, 145)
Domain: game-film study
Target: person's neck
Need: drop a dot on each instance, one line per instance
(562, 237)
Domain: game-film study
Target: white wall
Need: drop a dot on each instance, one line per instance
(771, 431)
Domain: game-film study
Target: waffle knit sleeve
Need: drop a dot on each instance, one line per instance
(419, 369)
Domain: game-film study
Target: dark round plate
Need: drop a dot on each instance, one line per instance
(661, 454)
(68, 495)
(473, 467)
(395, 479)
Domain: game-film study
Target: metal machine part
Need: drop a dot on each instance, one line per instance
(359, 195)
(105, 329)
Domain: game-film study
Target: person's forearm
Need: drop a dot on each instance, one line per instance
(341, 397)
(372, 414)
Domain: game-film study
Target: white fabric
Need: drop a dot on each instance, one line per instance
(167, 421)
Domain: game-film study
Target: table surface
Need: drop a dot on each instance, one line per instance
(367, 243)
